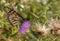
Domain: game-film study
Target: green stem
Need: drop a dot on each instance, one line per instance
(31, 35)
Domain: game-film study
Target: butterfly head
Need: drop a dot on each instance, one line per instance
(7, 9)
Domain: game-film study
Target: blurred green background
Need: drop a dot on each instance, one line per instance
(36, 11)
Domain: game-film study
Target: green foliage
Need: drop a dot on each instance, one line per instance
(33, 11)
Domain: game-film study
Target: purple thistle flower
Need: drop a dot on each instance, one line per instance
(24, 27)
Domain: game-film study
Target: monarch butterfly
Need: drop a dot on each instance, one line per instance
(13, 17)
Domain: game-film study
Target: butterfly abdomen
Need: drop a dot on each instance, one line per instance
(14, 19)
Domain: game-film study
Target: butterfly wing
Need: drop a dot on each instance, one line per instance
(13, 17)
